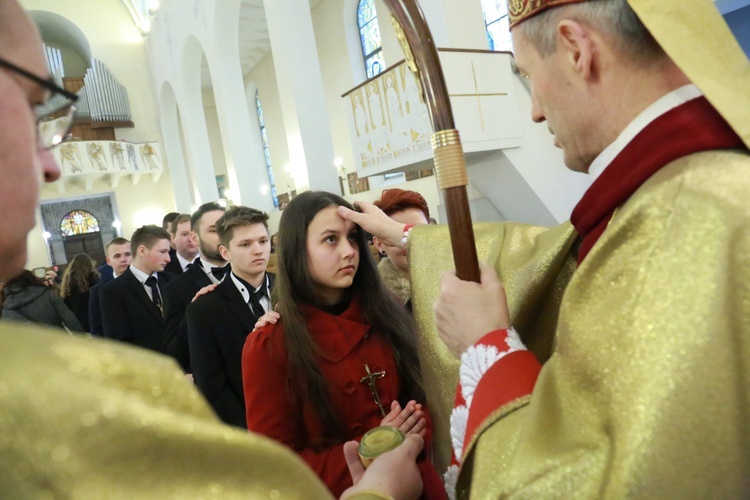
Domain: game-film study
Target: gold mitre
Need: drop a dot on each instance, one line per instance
(695, 36)
(520, 10)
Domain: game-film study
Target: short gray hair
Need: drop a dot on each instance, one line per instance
(611, 17)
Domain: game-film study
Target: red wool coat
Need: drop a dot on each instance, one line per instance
(346, 345)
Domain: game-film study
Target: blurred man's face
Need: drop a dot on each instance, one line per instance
(119, 257)
(208, 237)
(22, 165)
(185, 241)
(154, 259)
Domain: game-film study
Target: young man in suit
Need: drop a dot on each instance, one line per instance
(132, 304)
(218, 322)
(119, 257)
(185, 245)
(182, 289)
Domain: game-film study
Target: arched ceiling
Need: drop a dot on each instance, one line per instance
(253, 36)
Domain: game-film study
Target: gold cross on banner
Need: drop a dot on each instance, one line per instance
(370, 379)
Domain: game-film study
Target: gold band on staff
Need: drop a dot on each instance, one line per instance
(450, 165)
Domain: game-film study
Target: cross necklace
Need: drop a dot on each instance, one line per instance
(370, 379)
(371, 376)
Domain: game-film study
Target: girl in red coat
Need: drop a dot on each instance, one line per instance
(342, 359)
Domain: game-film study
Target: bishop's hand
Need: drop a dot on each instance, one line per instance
(466, 311)
(374, 221)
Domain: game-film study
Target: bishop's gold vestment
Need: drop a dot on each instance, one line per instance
(646, 394)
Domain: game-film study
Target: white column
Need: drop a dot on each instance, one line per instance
(243, 148)
(194, 127)
(170, 133)
(303, 103)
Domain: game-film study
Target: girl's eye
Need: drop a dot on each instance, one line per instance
(330, 239)
(352, 236)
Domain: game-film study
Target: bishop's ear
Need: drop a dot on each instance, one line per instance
(574, 40)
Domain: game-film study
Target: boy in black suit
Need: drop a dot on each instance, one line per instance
(209, 269)
(219, 322)
(119, 257)
(132, 304)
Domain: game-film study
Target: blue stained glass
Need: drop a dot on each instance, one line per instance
(369, 37)
(366, 12)
(494, 10)
(375, 64)
(497, 23)
(499, 31)
(266, 153)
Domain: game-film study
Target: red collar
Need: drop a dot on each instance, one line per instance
(338, 335)
(689, 128)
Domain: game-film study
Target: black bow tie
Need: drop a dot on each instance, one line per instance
(219, 272)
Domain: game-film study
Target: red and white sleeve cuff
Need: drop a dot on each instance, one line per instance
(496, 370)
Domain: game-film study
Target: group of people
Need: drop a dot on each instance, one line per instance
(336, 359)
(643, 395)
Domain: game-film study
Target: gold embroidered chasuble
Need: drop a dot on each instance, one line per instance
(646, 393)
(87, 418)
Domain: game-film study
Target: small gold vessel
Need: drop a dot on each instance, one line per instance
(378, 441)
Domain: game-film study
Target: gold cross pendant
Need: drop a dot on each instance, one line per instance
(370, 379)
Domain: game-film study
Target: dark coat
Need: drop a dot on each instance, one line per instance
(177, 296)
(173, 267)
(38, 304)
(95, 310)
(129, 315)
(78, 302)
(218, 324)
(105, 272)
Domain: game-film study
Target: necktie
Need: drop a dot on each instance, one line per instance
(254, 301)
(219, 272)
(155, 297)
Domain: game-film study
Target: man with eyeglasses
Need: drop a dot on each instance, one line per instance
(90, 418)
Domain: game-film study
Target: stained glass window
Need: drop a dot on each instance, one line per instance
(498, 26)
(79, 222)
(266, 152)
(369, 36)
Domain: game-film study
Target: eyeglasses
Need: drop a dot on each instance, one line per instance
(54, 118)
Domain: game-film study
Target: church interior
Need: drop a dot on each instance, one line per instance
(250, 102)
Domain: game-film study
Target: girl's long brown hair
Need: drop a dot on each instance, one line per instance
(79, 275)
(294, 288)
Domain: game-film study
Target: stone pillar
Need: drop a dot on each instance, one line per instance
(303, 103)
(243, 148)
(197, 145)
(170, 133)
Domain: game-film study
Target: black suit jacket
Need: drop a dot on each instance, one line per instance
(177, 296)
(218, 324)
(95, 311)
(173, 267)
(129, 315)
